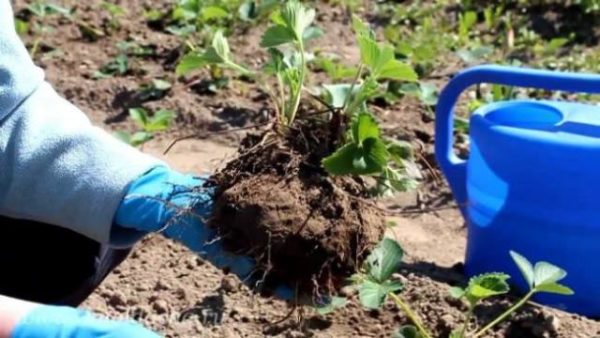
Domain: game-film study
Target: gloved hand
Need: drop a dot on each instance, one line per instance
(176, 205)
(47, 321)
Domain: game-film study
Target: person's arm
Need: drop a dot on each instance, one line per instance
(55, 166)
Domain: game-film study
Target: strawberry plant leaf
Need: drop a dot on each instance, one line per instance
(376, 154)
(555, 288)
(334, 304)
(140, 116)
(140, 138)
(407, 331)
(189, 63)
(396, 70)
(297, 18)
(487, 285)
(361, 28)
(312, 33)
(384, 260)
(213, 13)
(364, 127)
(341, 162)
(372, 294)
(277, 35)
(160, 121)
(546, 273)
(399, 151)
(123, 136)
(457, 333)
(525, 267)
(220, 46)
(457, 292)
(337, 94)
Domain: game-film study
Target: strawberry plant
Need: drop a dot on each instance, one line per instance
(362, 150)
(375, 286)
(148, 124)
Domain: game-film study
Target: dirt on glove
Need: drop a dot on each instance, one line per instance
(276, 204)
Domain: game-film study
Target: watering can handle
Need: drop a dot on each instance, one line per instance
(452, 166)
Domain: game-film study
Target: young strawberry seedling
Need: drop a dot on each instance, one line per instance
(363, 150)
(375, 285)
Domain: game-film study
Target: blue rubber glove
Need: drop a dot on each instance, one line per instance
(176, 205)
(48, 321)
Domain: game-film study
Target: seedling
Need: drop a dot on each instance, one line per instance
(363, 150)
(149, 125)
(116, 12)
(375, 285)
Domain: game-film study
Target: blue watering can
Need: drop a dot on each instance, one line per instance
(531, 183)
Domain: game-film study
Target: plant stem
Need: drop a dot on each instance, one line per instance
(467, 320)
(350, 94)
(506, 313)
(297, 94)
(411, 315)
(238, 67)
(282, 100)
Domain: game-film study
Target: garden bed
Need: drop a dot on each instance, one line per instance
(168, 288)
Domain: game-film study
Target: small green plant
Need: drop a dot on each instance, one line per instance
(115, 12)
(149, 125)
(375, 285)
(363, 150)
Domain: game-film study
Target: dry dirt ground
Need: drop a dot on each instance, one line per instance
(168, 288)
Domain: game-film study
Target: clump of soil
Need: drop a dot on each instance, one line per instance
(276, 204)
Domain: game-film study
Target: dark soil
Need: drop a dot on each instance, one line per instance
(275, 203)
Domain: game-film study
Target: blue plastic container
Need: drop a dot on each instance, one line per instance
(532, 180)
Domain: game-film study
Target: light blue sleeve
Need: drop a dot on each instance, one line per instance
(55, 166)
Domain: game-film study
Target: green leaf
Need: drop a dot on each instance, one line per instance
(457, 292)
(487, 285)
(546, 273)
(341, 162)
(277, 35)
(457, 333)
(140, 116)
(140, 138)
(160, 121)
(361, 28)
(555, 288)
(189, 63)
(337, 94)
(312, 33)
(377, 57)
(525, 267)
(396, 70)
(213, 13)
(391, 181)
(372, 295)
(384, 260)
(376, 155)
(407, 331)
(400, 151)
(123, 136)
(364, 127)
(297, 18)
(334, 304)
(221, 46)
(22, 27)
(159, 84)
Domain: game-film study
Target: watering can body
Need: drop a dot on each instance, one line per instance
(531, 183)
